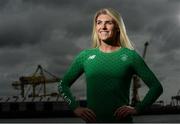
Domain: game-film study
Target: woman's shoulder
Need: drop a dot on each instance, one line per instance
(132, 52)
(128, 50)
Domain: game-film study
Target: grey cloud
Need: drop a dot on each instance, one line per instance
(30, 24)
(166, 34)
(22, 28)
(11, 58)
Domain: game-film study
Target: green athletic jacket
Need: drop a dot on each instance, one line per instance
(108, 79)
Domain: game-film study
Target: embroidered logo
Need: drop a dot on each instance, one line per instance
(62, 93)
(124, 57)
(92, 57)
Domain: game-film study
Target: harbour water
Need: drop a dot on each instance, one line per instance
(174, 118)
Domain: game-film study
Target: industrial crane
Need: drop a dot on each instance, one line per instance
(38, 78)
(175, 100)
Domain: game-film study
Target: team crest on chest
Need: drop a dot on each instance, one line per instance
(124, 57)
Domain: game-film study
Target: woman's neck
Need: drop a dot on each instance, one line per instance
(108, 48)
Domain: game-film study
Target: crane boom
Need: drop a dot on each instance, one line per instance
(34, 80)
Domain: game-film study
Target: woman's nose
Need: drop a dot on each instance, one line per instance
(104, 26)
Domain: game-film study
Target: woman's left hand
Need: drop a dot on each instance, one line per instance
(125, 110)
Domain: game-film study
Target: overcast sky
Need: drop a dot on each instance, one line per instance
(53, 32)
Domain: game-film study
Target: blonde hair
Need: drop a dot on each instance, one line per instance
(123, 39)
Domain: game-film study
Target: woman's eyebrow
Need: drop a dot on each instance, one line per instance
(104, 21)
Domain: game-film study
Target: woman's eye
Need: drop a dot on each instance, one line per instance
(98, 22)
(110, 23)
(106, 22)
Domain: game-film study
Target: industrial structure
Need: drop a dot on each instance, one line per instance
(175, 100)
(38, 78)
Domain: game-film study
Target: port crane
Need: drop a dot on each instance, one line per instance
(37, 78)
(175, 100)
(136, 82)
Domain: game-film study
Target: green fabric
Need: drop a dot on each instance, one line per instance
(108, 79)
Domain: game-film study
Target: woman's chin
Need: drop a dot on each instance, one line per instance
(104, 39)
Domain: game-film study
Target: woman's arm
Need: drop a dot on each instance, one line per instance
(155, 88)
(73, 72)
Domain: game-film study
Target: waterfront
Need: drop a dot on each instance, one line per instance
(175, 118)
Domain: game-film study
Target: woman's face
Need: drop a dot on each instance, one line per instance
(105, 28)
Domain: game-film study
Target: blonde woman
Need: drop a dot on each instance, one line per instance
(109, 67)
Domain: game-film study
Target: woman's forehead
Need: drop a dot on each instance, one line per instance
(104, 17)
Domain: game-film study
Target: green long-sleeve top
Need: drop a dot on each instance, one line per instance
(108, 79)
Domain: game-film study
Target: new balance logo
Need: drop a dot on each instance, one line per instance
(92, 57)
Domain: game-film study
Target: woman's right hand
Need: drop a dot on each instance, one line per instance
(86, 114)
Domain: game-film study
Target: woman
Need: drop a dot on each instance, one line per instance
(109, 68)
